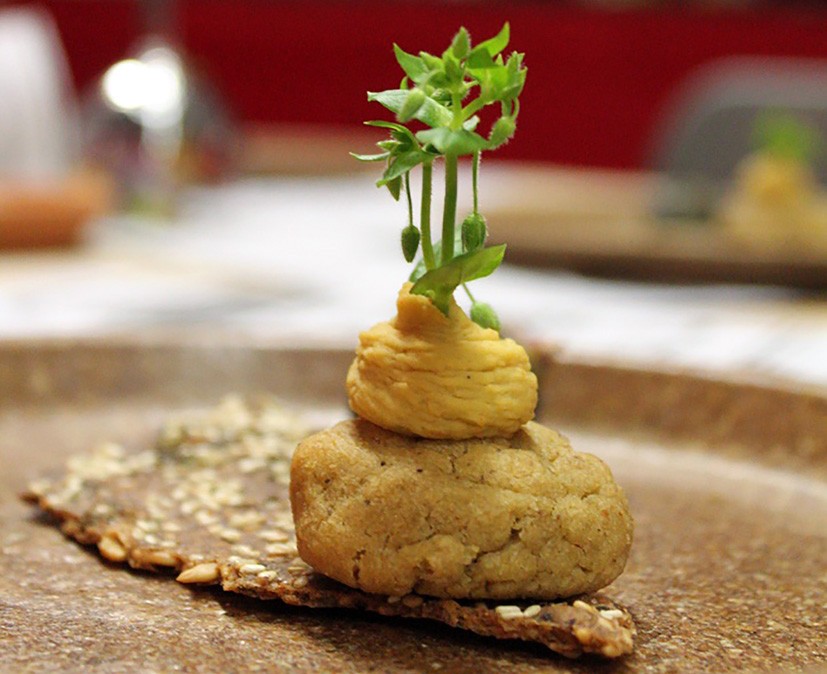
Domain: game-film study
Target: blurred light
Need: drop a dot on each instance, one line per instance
(151, 89)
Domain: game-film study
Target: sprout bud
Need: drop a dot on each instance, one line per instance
(410, 242)
(413, 101)
(502, 130)
(474, 232)
(483, 315)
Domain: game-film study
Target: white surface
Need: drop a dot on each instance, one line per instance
(317, 260)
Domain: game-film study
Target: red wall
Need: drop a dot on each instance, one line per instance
(597, 79)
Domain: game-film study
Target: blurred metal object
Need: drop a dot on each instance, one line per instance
(708, 128)
(38, 132)
(154, 124)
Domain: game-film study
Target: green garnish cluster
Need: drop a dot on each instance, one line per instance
(786, 136)
(436, 108)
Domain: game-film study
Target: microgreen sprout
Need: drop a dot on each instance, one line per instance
(443, 94)
(786, 136)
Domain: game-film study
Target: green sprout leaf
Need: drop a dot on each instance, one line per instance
(431, 61)
(461, 44)
(400, 165)
(401, 131)
(370, 157)
(431, 113)
(439, 284)
(415, 100)
(450, 141)
(471, 123)
(480, 59)
(414, 67)
(496, 44)
(394, 187)
(421, 268)
(501, 132)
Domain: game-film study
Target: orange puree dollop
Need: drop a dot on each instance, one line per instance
(442, 377)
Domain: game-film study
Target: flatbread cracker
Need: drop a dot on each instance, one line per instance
(210, 501)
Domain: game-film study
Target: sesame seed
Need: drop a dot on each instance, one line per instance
(252, 568)
(532, 611)
(159, 557)
(188, 507)
(230, 535)
(611, 614)
(508, 612)
(250, 464)
(412, 600)
(112, 549)
(280, 550)
(245, 550)
(246, 520)
(39, 487)
(201, 573)
(204, 518)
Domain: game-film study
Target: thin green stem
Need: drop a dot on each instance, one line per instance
(425, 216)
(456, 106)
(468, 292)
(410, 202)
(473, 107)
(449, 211)
(475, 172)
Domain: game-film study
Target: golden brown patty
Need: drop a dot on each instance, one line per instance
(499, 518)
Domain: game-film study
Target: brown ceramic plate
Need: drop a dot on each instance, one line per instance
(727, 481)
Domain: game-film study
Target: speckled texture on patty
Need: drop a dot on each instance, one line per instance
(523, 516)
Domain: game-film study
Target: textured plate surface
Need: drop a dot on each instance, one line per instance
(726, 573)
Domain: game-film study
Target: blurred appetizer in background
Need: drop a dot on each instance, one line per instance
(775, 200)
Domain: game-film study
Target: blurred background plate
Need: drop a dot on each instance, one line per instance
(51, 213)
(601, 222)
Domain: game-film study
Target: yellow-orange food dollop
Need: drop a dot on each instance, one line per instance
(776, 202)
(442, 377)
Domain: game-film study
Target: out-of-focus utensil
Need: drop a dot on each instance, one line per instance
(154, 123)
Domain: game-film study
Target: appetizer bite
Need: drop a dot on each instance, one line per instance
(776, 200)
(208, 501)
(443, 485)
